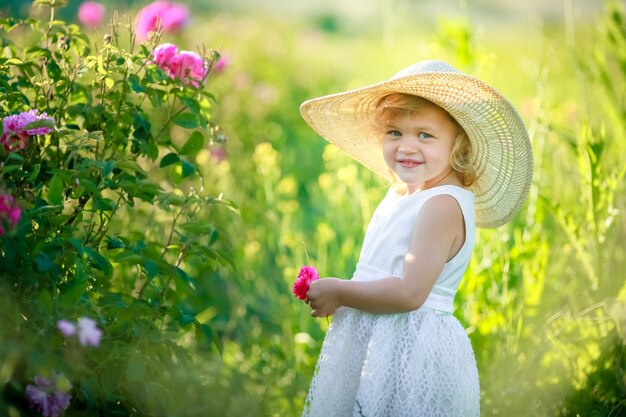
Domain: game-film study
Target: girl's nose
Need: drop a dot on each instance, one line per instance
(407, 146)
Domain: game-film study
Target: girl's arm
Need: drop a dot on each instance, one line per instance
(439, 234)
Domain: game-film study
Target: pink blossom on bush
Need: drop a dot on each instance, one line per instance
(49, 396)
(173, 17)
(306, 275)
(91, 13)
(16, 128)
(164, 56)
(222, 63)
(187, 66)
(10, 213)
(88, 332)
(67, 328)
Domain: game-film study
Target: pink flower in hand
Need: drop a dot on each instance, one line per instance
(91, 13)
(173, 17)
(306, 275)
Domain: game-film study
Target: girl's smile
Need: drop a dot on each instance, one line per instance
(417, 147)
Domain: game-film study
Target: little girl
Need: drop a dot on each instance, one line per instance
(458, 156)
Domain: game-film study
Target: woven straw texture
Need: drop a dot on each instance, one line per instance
(502, 154)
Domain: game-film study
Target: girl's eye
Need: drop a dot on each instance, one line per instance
(394, 133)
(424, 135)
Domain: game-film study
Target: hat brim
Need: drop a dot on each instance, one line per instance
(502, 153)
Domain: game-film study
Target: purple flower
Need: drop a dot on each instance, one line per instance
(86, 329)
(50, 397)
(91, 13)
(88, 332)
(17, 128)
(173, 17)
(10, 213)
(67, 328)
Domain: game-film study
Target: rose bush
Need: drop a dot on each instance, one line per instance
(108, 241)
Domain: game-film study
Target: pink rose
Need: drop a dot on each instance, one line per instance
(18, 127)
(306, 275)
(164, 55)
(91, 13)
(187, 66)
(10, 213)
(173, 17)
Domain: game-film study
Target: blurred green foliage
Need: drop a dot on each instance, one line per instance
(544, 300)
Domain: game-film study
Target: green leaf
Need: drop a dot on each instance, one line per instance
(129, 257)
(194, 144)
(152, 268)
(45, 301)
(104, 204)
(198, 228)
(107, 168)
(73, 292)
(135, 83)
(129, 167)
(188, 169)
(135, 371)
(44, 262)
(55, 190)
(191, 104)
(169, 159)
(49, 123)
(186, 120)
(99, 262)
(13, 61)
(114, 243)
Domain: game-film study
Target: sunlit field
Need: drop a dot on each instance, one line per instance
(544, 298)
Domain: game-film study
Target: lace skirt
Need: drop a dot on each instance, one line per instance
(417, 364)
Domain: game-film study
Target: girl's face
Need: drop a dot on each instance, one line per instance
(417, 147)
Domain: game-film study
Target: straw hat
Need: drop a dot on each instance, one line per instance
(502, 154)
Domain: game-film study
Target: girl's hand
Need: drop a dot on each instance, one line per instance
(323, 297)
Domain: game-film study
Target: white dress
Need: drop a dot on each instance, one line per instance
(417, 364)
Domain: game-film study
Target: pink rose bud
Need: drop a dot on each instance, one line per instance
(221, 64)
(91, 13)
